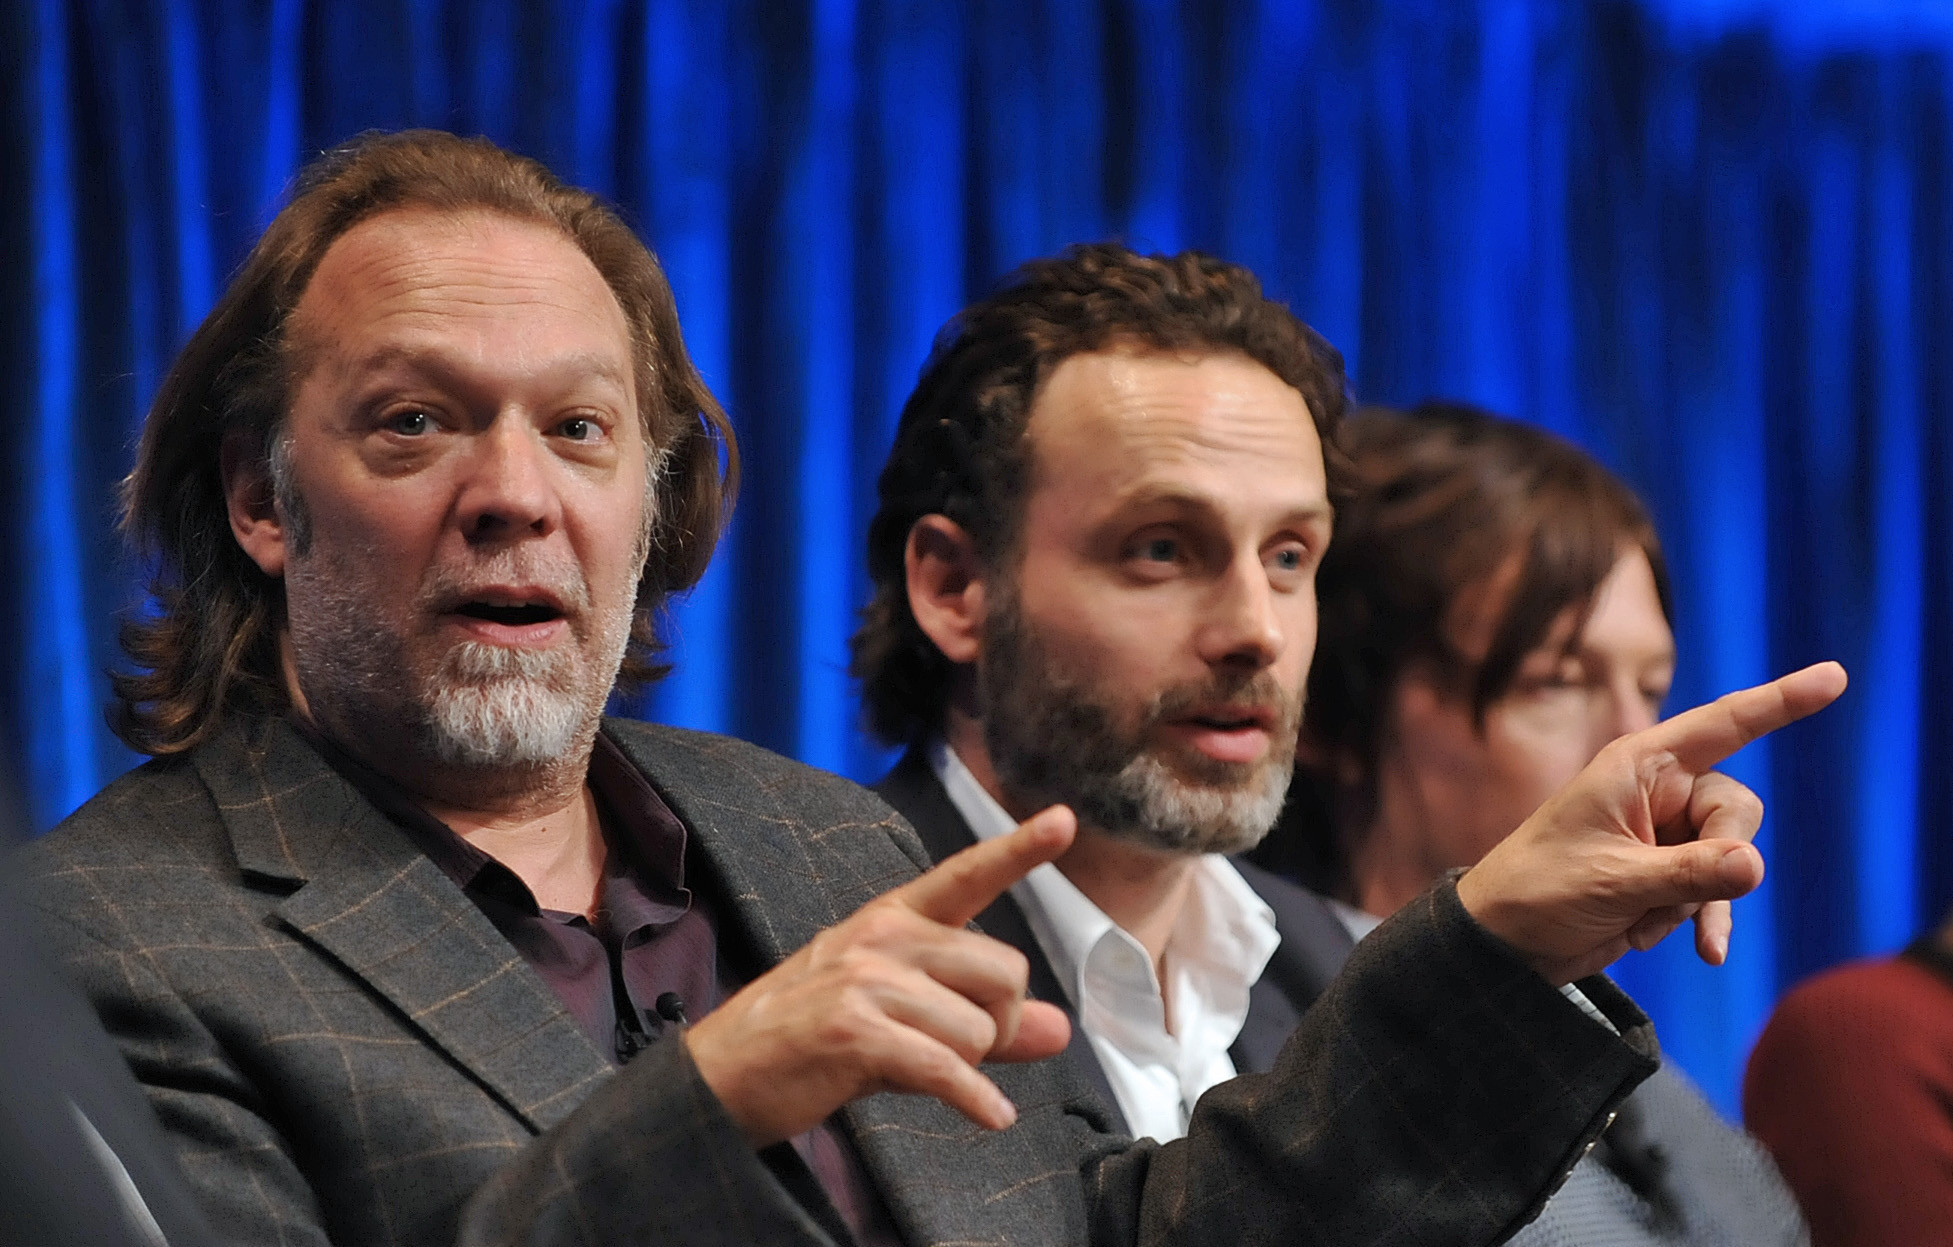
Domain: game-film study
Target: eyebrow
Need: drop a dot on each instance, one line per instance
(1315, 510)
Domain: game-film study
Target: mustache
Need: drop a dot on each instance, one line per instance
(447, 586)
(1259, 694)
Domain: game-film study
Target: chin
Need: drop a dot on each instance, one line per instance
(1150, 803)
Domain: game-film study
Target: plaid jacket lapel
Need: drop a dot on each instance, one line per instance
(789, 865)
(374, 902)
(793, 863)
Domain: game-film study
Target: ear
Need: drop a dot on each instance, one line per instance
(946, 586)
(255, 521)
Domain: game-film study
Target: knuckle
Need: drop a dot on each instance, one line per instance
(851, 1017)
(881, 923)
(1016, 968)
(942, 1070)
(1612, 875)
(979, 1038)
(1695, 871)
(852, 959)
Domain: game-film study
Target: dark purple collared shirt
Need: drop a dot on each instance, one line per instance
(652, 939)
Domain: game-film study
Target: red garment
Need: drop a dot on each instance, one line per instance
(1851, 1087)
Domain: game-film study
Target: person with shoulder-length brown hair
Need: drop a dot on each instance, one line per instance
(1495, 610)
(212, 644)
(1468, 568)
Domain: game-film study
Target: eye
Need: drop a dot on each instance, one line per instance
(410, 423)
(1154, 556)
(1290, 558)
(579, 429)
(1545, 679)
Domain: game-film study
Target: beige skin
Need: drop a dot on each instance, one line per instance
(1449, 789)
(1172, 533)
(516, 349)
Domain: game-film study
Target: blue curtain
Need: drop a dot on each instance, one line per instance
(1712, 242)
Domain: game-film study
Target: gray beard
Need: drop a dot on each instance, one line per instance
(496, 707)
(486, 706)
(482, 707)
(1053, 738)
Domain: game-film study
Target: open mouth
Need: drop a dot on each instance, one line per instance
(513, 615)
(1228, 723)
(1234, 736)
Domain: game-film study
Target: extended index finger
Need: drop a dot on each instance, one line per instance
(1704, 736)
(962, 886)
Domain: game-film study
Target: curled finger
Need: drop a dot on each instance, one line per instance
(915, 1063)
(1713, 925)
(1721, 808)
(919, 1003)
(1654, 926)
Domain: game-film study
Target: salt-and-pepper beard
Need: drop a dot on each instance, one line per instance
(483, 706)
(487, 706)
(1054, 736)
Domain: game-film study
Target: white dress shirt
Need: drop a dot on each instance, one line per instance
(1216, 951)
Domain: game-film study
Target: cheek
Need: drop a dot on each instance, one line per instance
(1299, 637)
(1534, 756)
(381, 522)
(1088, 628)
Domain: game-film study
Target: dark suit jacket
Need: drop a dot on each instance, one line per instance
(1668, 1171)
(82, 1163)
(1314, 942)
(344, 1049)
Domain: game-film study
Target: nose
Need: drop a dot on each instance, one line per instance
(1629, 711)
(508, 492)
(1243, 627)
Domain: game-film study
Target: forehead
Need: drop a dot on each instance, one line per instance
(1109, 425)
(1624, 618)
(475, 284)
(1627, 617)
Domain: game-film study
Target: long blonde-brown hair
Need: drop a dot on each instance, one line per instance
(211, 644)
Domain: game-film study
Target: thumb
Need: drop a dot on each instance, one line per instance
(1691, 874)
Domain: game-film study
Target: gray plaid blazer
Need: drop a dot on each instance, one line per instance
(343, 1049)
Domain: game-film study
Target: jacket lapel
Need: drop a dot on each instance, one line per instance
(784, 870)
(789, 864)
(1314, 945)
(913, 789)
(369, 898)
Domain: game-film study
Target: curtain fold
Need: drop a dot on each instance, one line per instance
(1714, 243)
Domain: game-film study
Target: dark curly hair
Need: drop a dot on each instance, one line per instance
(212, 644)
(960, 452)
(1443, 496)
